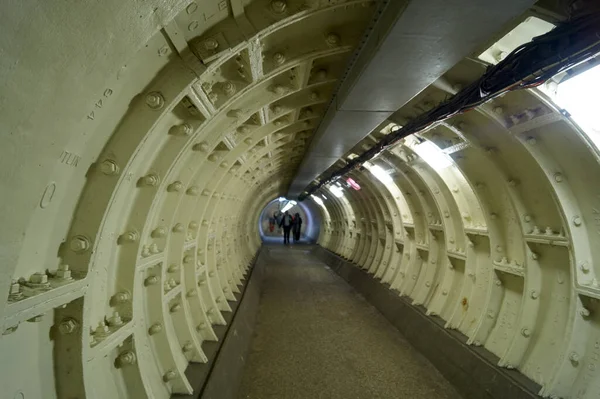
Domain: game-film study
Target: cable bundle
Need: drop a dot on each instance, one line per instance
(529, 65)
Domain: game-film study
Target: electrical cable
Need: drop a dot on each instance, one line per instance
(529, 65)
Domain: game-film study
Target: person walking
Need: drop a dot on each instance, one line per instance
(286, 223)
(297, 227)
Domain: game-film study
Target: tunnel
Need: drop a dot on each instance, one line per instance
(448, 248)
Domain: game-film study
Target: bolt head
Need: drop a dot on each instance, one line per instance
(155, 328)
(169, 376)
(534, 294)
(79, 244)
(109, 167)
(155, 100)
(278, 6)
(126, 358)
(333, 39)
(211, 44)
(68, 326)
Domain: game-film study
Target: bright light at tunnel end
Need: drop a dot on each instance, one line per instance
(289, 206)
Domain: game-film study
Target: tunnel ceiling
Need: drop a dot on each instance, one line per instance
(140, 141)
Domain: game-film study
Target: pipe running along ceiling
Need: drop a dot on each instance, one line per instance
(141, 142)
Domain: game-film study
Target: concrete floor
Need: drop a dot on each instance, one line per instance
(317, 338)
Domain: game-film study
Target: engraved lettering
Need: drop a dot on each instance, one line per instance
(69, 158)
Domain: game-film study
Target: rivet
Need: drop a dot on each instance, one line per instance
(187, 347)
(534, 256)
(279, 58)
(150, 280)
(558, 177)
(332, 39)
(184, 129)
(193, 225)
(175, 187)
(574, 358)
(531, 141)
(577, 221)
(188, 259)
(128, 237)
(169, 376)
(121, 297)
(193, 191)
(525, 332)
(154, 249)
(159, 232)
(201, 326)
(175, 308)
(527, 218)
(125, 358)
(150, 180)
(202, 147)
(178, 228)
(155, 100)
(584, 312)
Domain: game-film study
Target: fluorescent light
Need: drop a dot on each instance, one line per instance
(432, 154)
(523, 33)
(378, 172)
(336, 190)
(281, 199)
(579, 96)
(317, 200)
(324, 197)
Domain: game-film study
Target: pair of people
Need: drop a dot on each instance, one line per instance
(291, 224)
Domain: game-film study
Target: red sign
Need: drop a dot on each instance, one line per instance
(353, 184)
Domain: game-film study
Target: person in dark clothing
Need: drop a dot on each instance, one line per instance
(286, 223)
(297, 227)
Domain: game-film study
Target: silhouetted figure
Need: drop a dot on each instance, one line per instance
(297, 227)
(286, 223)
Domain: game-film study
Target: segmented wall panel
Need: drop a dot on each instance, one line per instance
(149, 223)
(487, 220)
(142, 140)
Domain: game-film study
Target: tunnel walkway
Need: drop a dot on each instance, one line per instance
(317, 338)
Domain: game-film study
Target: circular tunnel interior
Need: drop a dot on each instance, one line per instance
(270, 217)
(146, 146)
